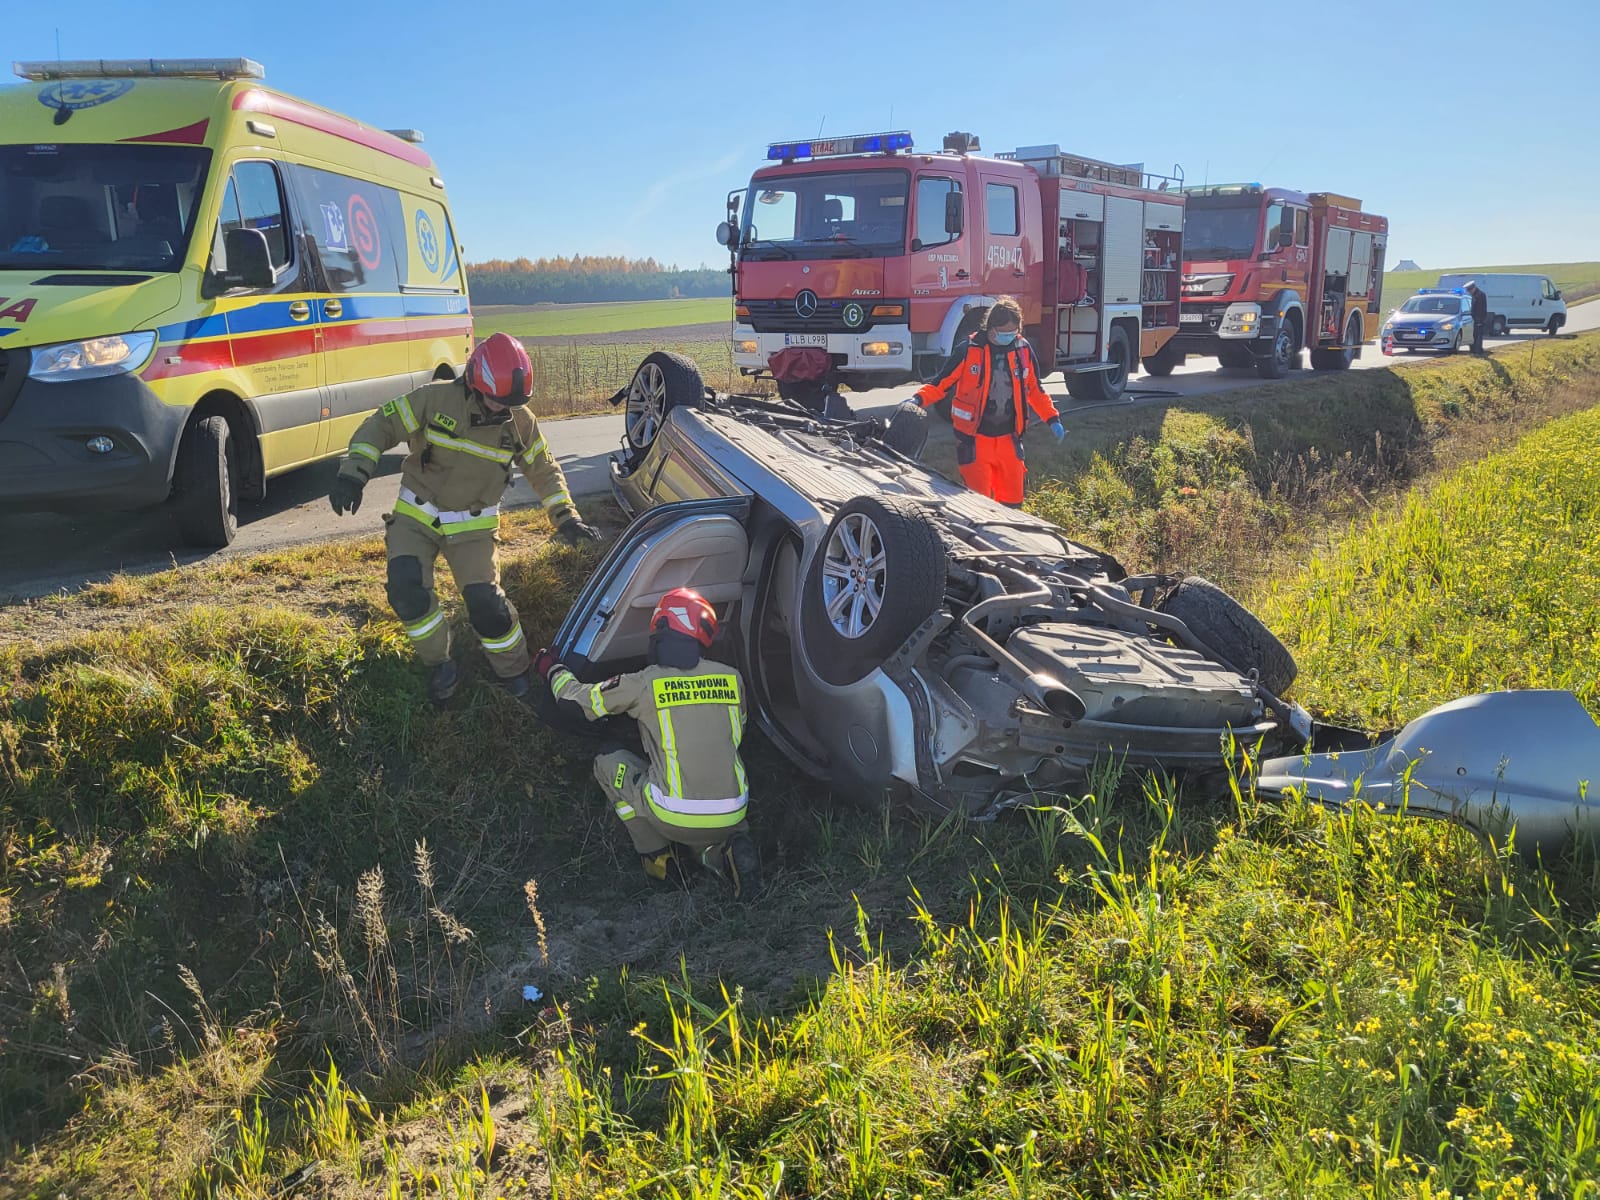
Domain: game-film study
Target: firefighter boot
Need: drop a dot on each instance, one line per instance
(443, 681)
(517, 686)
(737, 861)
(662, 866)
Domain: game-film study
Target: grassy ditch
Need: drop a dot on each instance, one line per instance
(265, 917)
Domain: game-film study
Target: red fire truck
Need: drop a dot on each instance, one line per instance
(1268, 271)
(884, 258)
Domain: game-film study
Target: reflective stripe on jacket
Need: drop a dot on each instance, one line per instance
(692, 722)
(965, 380)
(459, 461)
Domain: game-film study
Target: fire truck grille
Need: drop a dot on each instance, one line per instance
(779, 316)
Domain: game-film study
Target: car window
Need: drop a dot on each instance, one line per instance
(1302, 227)
(1549, 290)
(260, 200)
(931, 193)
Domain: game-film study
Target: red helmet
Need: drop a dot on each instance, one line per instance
(684, 610)
(499, 368)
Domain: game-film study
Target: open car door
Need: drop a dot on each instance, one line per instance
(699, 544)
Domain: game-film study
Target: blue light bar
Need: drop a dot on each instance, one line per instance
(1441, 291)
(861, 143)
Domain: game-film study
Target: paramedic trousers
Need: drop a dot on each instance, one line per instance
(992, 466)
(622, 776)
(412, 549)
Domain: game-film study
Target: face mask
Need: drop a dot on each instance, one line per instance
(1003, 339)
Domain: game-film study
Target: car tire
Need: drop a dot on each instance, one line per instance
(662, 382)
(205, 499)
(1105, 387)
(1455, 346)
(1164, 361)
(873, 548)
(1232, 632)
(1280, 360)
(908, 432)
(1235, 358)
(1340, 359)
(1554, 327)
(1500, 327)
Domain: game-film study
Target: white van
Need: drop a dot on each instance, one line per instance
(1516, 301)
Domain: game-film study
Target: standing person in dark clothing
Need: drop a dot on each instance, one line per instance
(992, 380)
(1480, 315)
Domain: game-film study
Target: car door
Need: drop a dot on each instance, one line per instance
(701, 544)
(941, 258)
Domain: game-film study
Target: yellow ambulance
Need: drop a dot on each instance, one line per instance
(205, 283)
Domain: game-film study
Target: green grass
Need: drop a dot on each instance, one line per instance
(579, 378)
(266, 915)
(568, 320)
(1576, 281)
(1490, 580)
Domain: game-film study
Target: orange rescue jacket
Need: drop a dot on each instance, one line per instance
(965, 379)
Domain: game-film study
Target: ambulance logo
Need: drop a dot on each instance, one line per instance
(333, 226)
(427, 242)
(72, 94)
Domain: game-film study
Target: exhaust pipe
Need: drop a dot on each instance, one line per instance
(1045, 690)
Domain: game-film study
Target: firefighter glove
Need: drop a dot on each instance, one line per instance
(1057, 430)
(345, 496)
(573, 531)
(545, 663)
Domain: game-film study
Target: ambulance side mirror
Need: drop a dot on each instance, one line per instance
(952, 213)
(246, 260)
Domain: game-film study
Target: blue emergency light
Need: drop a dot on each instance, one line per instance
(863, 143)
(1441, 291)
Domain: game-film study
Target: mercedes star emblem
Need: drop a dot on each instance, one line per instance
(805, 304)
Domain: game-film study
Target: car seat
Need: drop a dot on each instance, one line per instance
(67, 222)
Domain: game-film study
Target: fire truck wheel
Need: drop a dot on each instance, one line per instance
(1278, 362)
(1104, 387)
(1339, 360)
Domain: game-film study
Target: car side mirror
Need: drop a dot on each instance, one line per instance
(725, 234)
(1285, 237)
(246, 259)
(952, 213)
(1557, 296)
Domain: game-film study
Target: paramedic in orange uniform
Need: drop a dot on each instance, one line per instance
(992, 380)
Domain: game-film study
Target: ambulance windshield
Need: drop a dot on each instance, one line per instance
(88, 208)
(844, 214)
(1221, 227)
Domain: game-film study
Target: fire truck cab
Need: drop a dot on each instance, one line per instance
(1269, 271)
(884, 259)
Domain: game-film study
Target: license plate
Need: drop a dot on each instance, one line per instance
(806, 339)
(1191, 318)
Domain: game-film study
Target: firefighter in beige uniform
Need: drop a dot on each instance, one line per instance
(691, 795)
(465, 437)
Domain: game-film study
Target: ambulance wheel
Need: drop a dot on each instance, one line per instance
(878, 575)
(662, 382)
(205, 502)
(1104, 387)
(1232, 632)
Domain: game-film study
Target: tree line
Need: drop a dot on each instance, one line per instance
(588, 278)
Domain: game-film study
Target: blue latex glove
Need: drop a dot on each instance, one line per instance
(1055, 428)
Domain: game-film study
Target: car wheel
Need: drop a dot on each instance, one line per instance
(908, 432)
(205, 501)
(662, 382)
(879, 573)
(1235, 357)
(1233, 633)
(1280, 361)
(1501, 328)
(1104, 387)
(1455, 346)
(1340, 359)
(1164, 361)
(1555, 325)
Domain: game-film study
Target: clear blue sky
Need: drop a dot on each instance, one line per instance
(619, 127)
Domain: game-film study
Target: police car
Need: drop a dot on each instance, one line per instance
(1438, 319)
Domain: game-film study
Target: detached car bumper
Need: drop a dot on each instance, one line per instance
(46, 461)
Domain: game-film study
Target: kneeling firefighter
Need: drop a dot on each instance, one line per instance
(992, 380)
(690, 797)
(466, 436)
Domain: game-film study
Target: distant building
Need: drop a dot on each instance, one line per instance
(1405, 264)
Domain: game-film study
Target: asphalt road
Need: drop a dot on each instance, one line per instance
(46, 553)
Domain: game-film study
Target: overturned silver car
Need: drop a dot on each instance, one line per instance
(898, 632)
